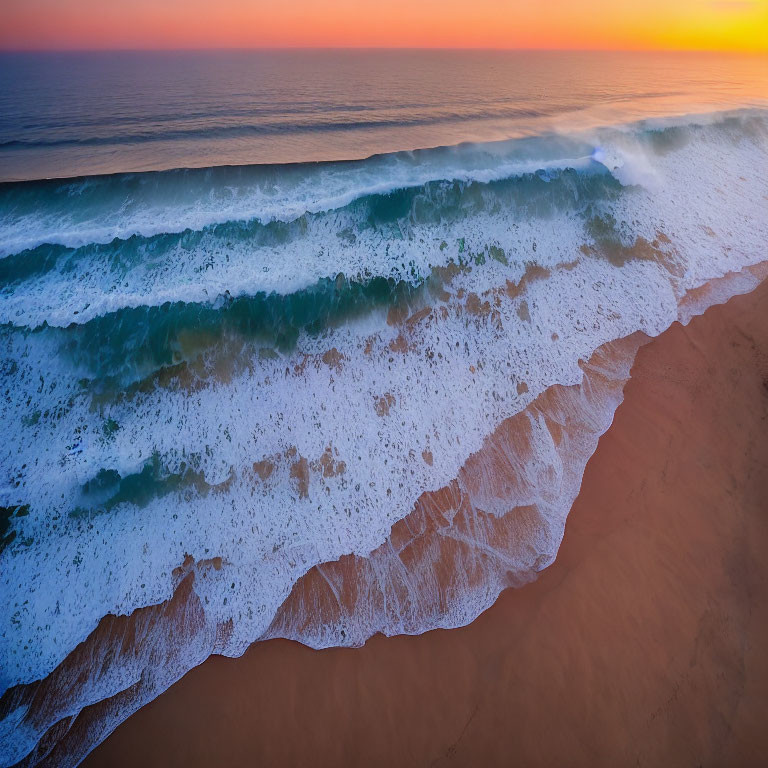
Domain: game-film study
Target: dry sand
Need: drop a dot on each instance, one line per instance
(645, 644)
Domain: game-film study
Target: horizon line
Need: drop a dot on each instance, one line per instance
(338, 48)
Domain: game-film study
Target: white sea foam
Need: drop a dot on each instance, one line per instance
(79, 212)
(181, 200)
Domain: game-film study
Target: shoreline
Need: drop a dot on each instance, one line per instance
(639, 645)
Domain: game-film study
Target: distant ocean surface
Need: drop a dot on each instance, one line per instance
(73, 114)
(317, 345)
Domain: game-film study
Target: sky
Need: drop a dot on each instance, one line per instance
(732, 25)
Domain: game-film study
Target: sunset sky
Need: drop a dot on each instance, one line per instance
(736, 25)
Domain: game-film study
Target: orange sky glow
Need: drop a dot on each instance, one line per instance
(729, 25)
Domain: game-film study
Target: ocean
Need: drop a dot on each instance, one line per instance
(317, 344)
(78, 114)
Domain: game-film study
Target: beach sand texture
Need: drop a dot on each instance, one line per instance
(643, 644)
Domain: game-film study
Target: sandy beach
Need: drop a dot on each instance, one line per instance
(643, 644)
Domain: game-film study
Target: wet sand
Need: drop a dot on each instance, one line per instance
(643, 644)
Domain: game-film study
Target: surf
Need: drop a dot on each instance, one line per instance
(240, 392)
